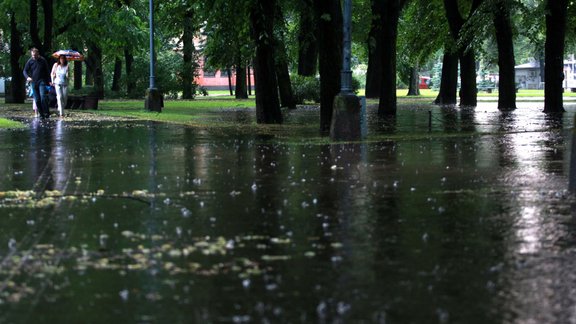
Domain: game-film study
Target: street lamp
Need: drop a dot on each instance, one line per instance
(154, 100)
(346, 112)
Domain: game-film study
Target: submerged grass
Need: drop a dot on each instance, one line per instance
(10, 124)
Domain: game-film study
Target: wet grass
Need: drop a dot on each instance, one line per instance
(10, 124)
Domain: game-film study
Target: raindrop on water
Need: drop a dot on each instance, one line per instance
(12, 244)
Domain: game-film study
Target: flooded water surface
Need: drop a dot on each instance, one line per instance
(461, 218)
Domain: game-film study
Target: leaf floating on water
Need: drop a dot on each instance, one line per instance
(276, 257)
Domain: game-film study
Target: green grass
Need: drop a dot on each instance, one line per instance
(6, 123)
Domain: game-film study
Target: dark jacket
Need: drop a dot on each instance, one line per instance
(37, 69)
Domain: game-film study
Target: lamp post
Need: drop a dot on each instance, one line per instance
(346, 73)
(346, 113)
(154, 100)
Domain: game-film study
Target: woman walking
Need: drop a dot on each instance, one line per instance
(60, 81)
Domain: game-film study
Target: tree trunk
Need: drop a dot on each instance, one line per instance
(554, 51)
(281, 65)
(240, 91)
(229, 72)
(468, 89)
(285, 85)
(307, 42)
(48, 7)
(414, 87)
(374, 73)
(506, 62)
(388, 100)
(130, 82)
(188, 52)
(262, 27)
(94, 62)
(449, 80)
(328, 14)
(43, 47)
(18, 89)
(248, 71)
(89, 79)
(117, 75)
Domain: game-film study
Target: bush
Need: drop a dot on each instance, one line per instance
(305, 89)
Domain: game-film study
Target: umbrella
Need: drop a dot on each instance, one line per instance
(70, 55)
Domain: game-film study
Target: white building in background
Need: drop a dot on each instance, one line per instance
(528, 75)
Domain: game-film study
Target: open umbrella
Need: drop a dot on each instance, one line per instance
(71, 55)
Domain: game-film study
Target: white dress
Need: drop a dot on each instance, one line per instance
(61, 84)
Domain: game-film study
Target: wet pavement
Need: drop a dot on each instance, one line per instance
(461, 218)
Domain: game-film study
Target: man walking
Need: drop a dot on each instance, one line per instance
(36, 71)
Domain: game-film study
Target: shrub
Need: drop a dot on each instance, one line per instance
(305, 89)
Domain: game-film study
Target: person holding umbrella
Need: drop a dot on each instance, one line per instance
(59, 76)
(36, 71)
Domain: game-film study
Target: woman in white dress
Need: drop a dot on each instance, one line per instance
(60, 81)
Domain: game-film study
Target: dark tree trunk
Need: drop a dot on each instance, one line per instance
(77, 75)
(89, 79)
(281, 65)
(229, 72)
(554, 51)
(130, 82)
(468, 89)
(94, 62)
(117, 75)
(240, 90)
(43, 47)
(374, 73)
(188, 51)
(285, 85)
(388, 101)
(48, 7)
(449, 81)
(18, 89)
(262, 27)
(248, 71)
(307, 42)
(506, 62)
(414, 87)
(328, 15)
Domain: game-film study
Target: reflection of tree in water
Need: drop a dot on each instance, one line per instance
(554, 144)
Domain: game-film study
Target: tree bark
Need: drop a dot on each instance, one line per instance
(281, 65)
(262, 28)
(229, 72)
(48, 7)
(449, 81)
(117, 75)
(43, 47)
(374, 73)
(130, 83)
(388, 101)
(240, 91)
(506, 62)
(94, 62)
(18, 89)
(554, 51)
(307, 42)
(328, 15)
(468, 89)
(414, 87)
(188, 53)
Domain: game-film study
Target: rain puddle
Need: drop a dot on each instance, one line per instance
(452, 215)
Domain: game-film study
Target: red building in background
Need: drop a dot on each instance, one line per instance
(219, 80)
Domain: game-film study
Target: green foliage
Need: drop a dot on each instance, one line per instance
(305, 89)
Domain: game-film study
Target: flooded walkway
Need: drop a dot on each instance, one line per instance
(464, 220)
